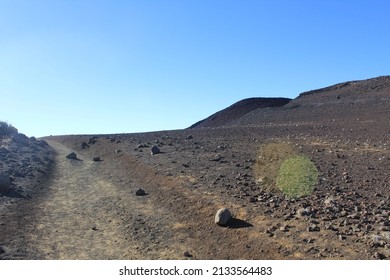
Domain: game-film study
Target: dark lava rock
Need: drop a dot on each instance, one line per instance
(187, 255)
(96, 159)
(302, 212)
(2, 251)
(72, 156)
(21, 139)
(154, 150)
(379, 256)
(92, 140)
(217, 158)
(140, 192)
(42, 143)
(84, 145)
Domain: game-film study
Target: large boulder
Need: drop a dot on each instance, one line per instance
(5, 184)
(223, 216)
(154, 150)
(140, 192)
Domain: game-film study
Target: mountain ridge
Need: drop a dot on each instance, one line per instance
(338, 100)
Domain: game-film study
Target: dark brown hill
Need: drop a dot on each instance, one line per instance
(355, 87)
(239, 109)
(370, 90)
(357, 101)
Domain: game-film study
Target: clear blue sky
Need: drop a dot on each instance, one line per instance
(94, 66)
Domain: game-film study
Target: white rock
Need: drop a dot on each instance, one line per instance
(222, 217)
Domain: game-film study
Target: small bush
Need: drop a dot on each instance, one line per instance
(297, 177)
(7, 130)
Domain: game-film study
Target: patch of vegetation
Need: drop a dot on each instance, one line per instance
(7, 130)
(297, 176)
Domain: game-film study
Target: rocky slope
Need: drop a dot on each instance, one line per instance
(24, 162)
(239, 109)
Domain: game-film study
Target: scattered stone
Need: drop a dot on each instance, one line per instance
(384, 228)
(2, 251)
(302, 212)
(386, 235)
(190, 137)
(309, 240)
(252, 199)
(92, 140)
(217, 158)
(72, 156)
(187, 255)
(288, 216)
(313, 227)
(379, 256)
(154, 150)
(84, 145)
(271, 229)
(283, 228)
(117, 151)
(271, 234)
(94, 228)
(377, 241)
(223, 216)
(140, 192)
(42, 143)
(329, 201)
(96, 158)
(5, 184)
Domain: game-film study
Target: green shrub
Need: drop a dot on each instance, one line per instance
(297, 177)
(7, 129)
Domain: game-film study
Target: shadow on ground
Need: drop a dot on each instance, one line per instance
(237, 223)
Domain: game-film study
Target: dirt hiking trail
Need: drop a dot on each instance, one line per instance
(89, 210)
(85, 216)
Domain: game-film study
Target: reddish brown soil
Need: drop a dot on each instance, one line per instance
(89, 209)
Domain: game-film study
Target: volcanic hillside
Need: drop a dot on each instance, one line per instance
(304, 179)
(239, 109)
(357, 101)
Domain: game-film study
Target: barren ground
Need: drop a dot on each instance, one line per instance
(89, 210)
